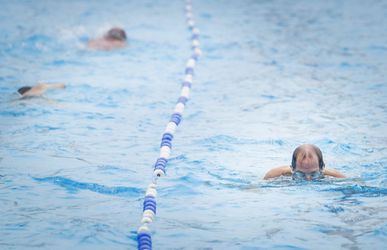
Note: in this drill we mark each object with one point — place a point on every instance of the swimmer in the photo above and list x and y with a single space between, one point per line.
39 89
307 164
115 38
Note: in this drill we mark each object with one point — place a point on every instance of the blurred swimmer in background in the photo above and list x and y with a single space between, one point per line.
39 89
307 164
115 38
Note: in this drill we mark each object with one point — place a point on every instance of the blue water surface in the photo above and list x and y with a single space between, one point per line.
75 163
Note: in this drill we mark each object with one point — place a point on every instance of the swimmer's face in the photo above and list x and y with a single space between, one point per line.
307 161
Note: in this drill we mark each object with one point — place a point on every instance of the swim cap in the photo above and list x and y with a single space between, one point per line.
24 89
116 34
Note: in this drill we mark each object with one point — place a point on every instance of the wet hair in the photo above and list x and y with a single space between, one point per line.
117 34
24 89
318 152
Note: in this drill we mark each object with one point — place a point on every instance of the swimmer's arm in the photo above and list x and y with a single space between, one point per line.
55 85
278 171
94 44
40 88
333 172
103 44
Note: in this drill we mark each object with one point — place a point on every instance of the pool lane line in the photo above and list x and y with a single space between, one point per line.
144 237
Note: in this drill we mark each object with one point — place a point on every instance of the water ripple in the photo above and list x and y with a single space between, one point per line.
223 142
364 191
74 186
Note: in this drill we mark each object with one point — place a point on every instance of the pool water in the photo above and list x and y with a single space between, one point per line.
74 164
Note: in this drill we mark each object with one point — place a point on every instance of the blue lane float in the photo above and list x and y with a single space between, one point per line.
144 237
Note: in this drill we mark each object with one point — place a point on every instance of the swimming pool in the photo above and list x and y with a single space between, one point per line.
75 164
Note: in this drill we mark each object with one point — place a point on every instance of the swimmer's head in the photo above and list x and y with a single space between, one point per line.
23 90
307 158
116 34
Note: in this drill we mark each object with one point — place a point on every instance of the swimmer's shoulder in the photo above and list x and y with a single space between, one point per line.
333 173
278 171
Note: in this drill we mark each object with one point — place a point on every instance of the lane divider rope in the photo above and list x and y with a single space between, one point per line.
144 238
